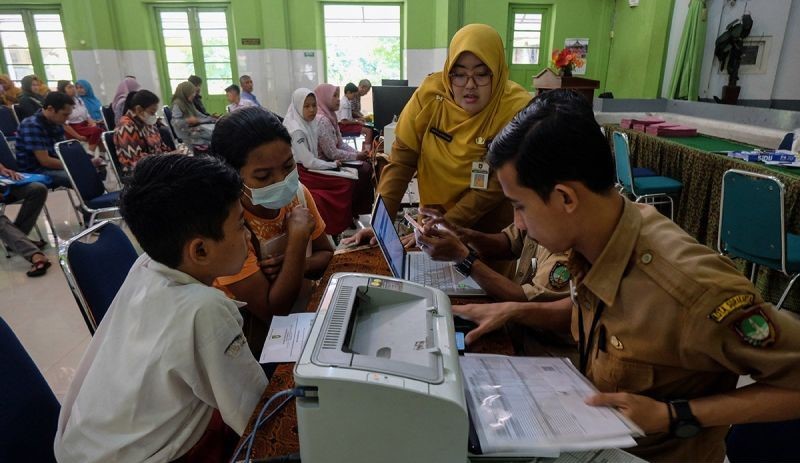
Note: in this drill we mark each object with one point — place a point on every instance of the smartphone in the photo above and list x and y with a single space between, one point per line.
413 222
460 344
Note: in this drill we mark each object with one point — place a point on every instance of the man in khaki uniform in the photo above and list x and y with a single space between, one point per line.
664 325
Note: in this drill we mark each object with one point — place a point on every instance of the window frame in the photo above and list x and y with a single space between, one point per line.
545 42
402 37
31 33
192 10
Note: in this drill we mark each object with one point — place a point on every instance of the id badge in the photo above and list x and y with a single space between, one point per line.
479 180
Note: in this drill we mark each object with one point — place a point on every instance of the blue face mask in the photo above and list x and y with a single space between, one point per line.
277 195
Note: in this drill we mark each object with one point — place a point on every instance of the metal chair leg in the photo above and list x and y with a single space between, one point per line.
786 291
754 273
52 225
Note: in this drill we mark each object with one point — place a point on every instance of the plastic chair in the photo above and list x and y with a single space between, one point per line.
93 199
8 122
786 143
111 151
95 271
752 225
28 409
652 190
755 442
108 117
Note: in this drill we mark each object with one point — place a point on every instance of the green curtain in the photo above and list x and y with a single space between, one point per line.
686 75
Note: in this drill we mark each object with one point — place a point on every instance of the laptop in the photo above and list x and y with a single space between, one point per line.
417 266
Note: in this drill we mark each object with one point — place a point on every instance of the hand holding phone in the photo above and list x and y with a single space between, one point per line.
411 221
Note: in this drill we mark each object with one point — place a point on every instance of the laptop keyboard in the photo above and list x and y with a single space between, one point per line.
430 272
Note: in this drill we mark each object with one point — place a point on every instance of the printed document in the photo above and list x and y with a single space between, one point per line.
286 337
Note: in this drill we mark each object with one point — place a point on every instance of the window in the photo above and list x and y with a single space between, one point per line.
196 41
528 46
362 42
32 42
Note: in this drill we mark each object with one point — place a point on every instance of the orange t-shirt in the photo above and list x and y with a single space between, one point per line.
266 229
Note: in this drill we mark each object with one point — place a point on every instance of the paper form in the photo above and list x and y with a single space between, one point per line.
535 405
286 338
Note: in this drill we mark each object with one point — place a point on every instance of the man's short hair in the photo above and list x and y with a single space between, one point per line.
244 78
172 199
233 88
195 80
553 140
57 101
238 133
350 88
365 83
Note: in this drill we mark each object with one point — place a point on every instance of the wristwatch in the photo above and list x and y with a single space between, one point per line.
684 424
465 266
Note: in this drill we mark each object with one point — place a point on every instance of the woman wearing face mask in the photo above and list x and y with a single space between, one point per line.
288 235
447 126
332 192
136 134
31 100
80 125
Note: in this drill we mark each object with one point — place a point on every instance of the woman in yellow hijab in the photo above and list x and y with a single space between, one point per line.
447 126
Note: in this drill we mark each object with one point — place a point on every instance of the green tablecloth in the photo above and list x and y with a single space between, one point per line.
690 160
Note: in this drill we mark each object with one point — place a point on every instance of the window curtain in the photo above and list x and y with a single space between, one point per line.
686 75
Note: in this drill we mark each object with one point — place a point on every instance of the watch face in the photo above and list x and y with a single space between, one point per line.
686 429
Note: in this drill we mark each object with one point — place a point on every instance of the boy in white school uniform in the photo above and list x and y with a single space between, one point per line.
169 352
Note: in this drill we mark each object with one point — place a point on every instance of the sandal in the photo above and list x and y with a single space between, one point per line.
39 268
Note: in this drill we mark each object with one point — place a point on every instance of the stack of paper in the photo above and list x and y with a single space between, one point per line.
640 124
667 129
534 406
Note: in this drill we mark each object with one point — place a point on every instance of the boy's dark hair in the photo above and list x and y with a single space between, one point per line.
555 139
57 101
350 88
195 80
238 133
172 199
143 98
233 88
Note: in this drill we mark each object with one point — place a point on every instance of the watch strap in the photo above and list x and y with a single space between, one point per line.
465 266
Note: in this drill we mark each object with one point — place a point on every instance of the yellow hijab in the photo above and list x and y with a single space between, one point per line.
444 168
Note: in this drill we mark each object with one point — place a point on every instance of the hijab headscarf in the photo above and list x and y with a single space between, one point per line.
183 92
294 120
27 88
92 103
128 84
444 167
324 93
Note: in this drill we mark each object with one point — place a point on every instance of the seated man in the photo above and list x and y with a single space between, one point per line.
665 326
247 89
235 99
169 361
38 135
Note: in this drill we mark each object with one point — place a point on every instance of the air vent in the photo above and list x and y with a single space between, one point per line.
337 322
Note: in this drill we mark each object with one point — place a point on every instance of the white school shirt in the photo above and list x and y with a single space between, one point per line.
345 110
301 149
243 103
79 112
168 352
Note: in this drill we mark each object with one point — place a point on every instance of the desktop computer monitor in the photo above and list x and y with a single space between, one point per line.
394 83
388 102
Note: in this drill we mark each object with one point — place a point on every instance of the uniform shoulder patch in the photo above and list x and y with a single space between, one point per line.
559 276
730 305
235 347
755 328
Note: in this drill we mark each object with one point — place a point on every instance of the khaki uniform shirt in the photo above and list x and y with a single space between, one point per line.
543 275
679 322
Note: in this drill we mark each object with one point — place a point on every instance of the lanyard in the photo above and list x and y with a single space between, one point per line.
584 345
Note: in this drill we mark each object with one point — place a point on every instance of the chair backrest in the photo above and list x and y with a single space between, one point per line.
8 121
168 115
7 157
18 112
622 161
28 408
95 271
108 117
751 218
111 151
80 170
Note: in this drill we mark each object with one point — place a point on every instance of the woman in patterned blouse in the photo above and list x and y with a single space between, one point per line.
136 134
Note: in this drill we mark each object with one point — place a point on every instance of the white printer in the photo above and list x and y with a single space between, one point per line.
382 356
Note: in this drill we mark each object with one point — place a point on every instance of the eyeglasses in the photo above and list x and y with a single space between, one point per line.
481 79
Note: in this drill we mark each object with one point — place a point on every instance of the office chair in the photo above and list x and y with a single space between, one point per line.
652 190
93 199
95 271
28 409
752 225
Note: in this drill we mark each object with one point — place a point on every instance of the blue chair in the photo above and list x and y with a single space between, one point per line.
93 199
18 112
756 442
111 151
8 122
786 143
168 116
108 116
28 409
751 225
653 190
637 171
95 271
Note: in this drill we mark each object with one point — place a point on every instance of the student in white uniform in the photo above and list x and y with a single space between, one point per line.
169 352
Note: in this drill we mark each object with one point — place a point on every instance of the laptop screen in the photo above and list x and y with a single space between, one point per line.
388 239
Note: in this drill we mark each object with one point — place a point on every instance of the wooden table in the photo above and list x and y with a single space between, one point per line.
279 436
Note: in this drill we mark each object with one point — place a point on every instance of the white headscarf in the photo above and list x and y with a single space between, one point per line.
294 120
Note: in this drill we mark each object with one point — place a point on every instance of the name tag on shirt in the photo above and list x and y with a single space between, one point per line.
479 180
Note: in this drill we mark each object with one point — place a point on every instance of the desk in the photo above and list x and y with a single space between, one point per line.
691 161
279 436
